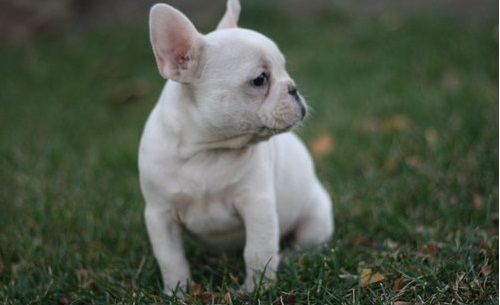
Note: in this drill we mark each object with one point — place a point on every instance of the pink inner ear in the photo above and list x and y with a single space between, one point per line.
174 57
178 50
176 44
182 61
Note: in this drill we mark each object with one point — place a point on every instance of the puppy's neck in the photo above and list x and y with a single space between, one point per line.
236 145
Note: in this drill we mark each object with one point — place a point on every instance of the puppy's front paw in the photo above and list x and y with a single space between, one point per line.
248 286
257 281
177 289
174 292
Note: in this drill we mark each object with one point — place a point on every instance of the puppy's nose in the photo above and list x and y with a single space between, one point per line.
292 90
303 110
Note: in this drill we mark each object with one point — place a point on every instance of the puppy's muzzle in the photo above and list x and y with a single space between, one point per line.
292 90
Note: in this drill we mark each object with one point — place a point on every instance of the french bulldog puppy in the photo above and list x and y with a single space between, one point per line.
217 161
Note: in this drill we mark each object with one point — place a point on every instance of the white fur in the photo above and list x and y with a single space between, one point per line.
216 159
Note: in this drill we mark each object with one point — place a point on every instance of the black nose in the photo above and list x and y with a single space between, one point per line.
303 110
292 90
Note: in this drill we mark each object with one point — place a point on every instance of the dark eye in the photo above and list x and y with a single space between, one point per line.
261 80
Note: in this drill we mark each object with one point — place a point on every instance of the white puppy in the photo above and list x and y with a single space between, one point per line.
216 159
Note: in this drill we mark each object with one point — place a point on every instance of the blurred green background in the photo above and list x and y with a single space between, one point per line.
404 130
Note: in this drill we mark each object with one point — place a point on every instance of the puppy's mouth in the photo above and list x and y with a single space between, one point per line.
265 132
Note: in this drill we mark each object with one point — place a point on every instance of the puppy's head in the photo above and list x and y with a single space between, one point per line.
235 78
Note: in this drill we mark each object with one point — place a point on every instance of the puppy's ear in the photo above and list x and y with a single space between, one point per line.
177 45
230 19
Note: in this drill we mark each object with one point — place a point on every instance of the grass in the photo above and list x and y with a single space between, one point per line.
407 107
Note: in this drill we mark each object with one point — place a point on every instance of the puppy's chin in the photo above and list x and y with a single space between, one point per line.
265 133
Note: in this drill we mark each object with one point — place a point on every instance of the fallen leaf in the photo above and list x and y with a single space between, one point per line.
433 249
413 161
84 277
360 240
287 299
399 284
322 145
397 123
226 298
486 270
477 201
484 243
367 277
195 289
205 297
402 303
390 164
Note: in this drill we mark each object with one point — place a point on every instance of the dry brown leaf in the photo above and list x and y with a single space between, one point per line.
195 289
433 248
399 284
486 270
360 240
484 243
390 164
413 161
322 145
84 277
287 299
402 303
226 298
367 277
477 201
205 297
397 122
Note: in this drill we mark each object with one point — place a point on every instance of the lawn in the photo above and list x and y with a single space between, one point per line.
404 131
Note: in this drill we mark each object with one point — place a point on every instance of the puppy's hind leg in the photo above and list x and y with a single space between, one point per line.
316 227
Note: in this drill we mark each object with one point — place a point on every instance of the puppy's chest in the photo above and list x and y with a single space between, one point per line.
195 204
204 190
209 215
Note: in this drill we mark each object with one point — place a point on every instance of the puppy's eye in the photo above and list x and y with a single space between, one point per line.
261 80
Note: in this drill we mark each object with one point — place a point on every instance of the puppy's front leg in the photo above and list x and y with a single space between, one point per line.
262 239
166 238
